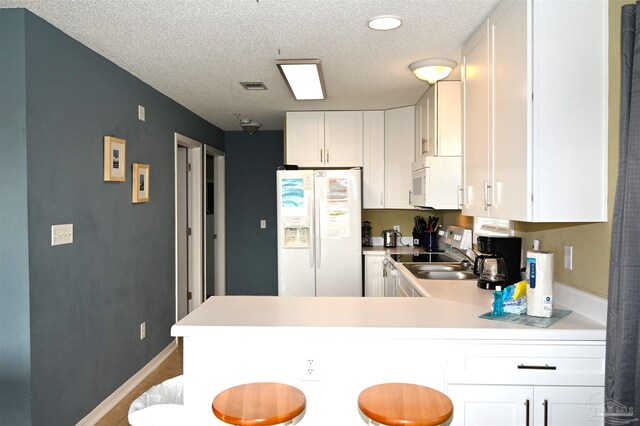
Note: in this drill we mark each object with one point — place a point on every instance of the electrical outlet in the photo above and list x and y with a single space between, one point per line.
61 234
396 228
310 370
143 330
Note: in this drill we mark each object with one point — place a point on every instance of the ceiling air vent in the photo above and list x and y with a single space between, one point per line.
253 85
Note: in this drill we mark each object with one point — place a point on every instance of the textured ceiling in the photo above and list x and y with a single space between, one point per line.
197 51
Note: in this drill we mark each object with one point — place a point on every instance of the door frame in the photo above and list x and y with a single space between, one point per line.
220 279
196 208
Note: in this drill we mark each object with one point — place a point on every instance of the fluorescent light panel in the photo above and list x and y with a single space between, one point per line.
304 78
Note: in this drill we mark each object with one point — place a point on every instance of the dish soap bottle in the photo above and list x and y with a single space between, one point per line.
498 305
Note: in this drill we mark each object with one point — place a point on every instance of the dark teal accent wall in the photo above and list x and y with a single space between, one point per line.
87 299
15 346
252 258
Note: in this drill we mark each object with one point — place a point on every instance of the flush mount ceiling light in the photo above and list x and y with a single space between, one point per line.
432 70
250 126
385 23
303 77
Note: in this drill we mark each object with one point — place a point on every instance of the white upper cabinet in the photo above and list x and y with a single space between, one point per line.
324 139
438 121
476 172
304 135
535 113
399 143
373 161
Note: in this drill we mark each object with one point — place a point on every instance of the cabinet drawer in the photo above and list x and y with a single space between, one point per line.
533 364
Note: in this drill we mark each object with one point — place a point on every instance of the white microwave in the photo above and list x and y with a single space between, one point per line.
437 183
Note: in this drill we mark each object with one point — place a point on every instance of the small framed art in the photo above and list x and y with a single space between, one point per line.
140 185
114 159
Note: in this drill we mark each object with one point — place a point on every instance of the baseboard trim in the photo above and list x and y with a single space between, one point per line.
114 399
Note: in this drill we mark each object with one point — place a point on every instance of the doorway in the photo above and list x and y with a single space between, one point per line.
214 231
188 155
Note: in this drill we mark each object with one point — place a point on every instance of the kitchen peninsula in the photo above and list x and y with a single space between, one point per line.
332 348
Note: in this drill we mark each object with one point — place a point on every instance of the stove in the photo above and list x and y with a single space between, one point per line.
451 239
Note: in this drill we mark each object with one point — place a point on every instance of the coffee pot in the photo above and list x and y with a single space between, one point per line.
492 270
389 237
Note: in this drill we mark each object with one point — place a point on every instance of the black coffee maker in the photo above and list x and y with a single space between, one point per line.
496 249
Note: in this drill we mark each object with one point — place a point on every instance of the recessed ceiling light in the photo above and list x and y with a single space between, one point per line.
385 22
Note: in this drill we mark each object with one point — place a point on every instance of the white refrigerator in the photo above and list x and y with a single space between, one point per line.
319 241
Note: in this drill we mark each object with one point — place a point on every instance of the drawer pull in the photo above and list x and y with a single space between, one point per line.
546 412
536 367
526 404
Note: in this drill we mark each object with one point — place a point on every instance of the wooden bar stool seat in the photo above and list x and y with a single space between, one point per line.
403 404
263 404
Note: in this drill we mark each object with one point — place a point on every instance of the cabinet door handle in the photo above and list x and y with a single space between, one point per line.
459 197
526 404
327 155
381 198
486 195
321 157
546 412
536 367
409 197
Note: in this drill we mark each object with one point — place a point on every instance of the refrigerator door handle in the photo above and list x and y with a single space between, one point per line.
317 233
312 235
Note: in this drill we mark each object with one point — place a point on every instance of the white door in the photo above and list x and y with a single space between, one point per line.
210 227
214 224
373 276
568 405
343 138
481 405
338 238
305 139
510 192
296 244
189 226
399 140
373 161
475 116
183 225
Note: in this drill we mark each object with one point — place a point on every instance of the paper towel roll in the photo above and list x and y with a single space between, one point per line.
539 283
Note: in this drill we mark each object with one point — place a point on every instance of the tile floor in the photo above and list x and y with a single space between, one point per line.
171 367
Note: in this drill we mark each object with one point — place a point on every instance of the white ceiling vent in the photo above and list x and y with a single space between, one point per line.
253 85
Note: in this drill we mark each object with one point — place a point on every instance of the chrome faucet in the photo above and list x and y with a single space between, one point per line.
468 259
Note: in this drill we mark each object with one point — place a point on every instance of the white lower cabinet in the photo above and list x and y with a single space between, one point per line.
497 405
374 275
526 383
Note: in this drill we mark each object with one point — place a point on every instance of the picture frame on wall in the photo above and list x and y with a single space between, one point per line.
140 183
115 151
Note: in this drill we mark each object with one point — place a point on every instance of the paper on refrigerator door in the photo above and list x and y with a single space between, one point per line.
336 218
292 190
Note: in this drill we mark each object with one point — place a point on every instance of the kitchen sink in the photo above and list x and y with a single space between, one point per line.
440 271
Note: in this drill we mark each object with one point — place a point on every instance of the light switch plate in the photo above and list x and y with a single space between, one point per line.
263 224
61 234
141 113
568 257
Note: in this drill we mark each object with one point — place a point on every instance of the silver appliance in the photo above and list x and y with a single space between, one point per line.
389 237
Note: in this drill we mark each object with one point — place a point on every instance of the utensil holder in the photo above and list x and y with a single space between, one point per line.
430 240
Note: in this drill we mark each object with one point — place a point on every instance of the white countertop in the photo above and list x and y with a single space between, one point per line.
381 250
417 317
